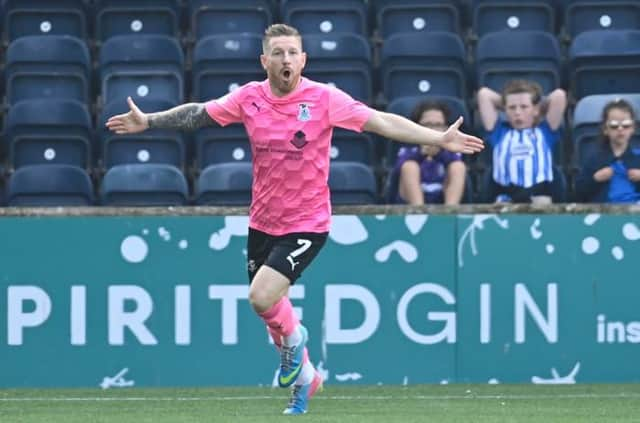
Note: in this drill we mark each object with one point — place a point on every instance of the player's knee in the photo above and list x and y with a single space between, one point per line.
260 300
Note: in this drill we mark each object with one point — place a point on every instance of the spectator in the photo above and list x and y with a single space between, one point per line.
522 143
428 174
611 174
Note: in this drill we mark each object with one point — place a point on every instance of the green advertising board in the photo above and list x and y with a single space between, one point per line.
162 301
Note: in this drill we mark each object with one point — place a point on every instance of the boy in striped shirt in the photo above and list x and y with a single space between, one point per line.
522 143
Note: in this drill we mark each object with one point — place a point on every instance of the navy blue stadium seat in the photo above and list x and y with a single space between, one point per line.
397 16
214 145
404 106
343 60
605 61
224 62
142 66
326 16
587 15
210 17
49 185
152 146
423 64
48 131
225 184
587 120
498 15
352 183
532 55
47 66
44 17
136 17
149 184
349 146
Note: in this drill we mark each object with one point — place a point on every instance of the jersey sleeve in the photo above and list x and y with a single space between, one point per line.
406 153
551 136
449 157
494 136
226 109
345 112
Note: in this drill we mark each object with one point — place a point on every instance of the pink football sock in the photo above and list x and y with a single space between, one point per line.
280 317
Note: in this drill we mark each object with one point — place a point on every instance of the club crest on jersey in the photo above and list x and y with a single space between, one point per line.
304 114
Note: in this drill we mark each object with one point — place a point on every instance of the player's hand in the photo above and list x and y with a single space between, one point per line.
603 174
459 142
129 123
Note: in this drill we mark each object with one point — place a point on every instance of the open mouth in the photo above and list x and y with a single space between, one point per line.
286 73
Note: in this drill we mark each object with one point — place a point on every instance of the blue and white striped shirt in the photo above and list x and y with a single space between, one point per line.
522 157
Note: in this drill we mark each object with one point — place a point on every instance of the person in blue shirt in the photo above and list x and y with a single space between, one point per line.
611 174
523 142
429 174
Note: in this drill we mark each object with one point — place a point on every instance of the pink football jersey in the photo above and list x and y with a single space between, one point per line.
290 141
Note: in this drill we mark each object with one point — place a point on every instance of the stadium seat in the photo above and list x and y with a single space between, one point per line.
141 66
559 186
149 184
587 15
498 15
420 64
587 118
214 145
44 17
48 131
225 184
352 183
47 66
503 56
349 146
398 16
326 16
136 17
49 185
404 106
219 17
605 61
343 60
152 146
221 63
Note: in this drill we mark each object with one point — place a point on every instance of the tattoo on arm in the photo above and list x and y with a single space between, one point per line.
188 117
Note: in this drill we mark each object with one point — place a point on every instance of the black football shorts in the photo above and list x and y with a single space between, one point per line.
289 254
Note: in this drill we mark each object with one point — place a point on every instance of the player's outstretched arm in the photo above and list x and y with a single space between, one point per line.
398 128
187 117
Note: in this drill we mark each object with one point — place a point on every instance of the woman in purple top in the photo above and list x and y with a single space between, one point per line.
429 174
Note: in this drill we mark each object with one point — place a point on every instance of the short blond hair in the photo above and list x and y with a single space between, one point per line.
278 30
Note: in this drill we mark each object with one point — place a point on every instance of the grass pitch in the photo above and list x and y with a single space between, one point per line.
352 404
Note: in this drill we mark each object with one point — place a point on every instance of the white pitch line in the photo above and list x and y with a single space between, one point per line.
630 395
